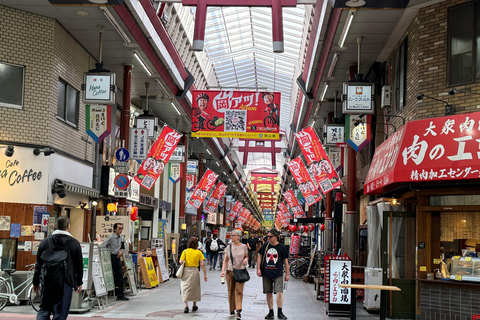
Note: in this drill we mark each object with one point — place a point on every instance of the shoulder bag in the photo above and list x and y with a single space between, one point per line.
239 275
263 257
180 269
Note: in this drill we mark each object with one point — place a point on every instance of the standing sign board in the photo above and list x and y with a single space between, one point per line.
98 121
106 263
130 267
159 245
148 272
87 270
138 144
97 274
338 270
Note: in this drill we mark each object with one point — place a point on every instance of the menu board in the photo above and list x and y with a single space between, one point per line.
105 226
97 274
106 262
130 267
159 246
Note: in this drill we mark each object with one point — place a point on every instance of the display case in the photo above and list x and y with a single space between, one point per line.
465 268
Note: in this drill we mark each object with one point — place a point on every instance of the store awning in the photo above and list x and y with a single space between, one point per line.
72 187
435 149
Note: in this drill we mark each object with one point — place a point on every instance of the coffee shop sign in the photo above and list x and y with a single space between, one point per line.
14 176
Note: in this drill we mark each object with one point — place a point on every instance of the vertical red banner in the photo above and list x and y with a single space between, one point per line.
293 204
203 188
217 195
304 181
235 210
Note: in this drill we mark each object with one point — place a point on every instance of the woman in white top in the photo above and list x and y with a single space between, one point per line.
240 260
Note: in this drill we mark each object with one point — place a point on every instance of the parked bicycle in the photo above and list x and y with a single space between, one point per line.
299 267
10 293
172 268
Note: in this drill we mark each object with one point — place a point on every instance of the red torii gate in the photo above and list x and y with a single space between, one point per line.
260 148
258 176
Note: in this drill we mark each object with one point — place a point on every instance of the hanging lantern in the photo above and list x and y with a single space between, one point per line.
302 228
134 215
294 228
322 227
311 227
135 210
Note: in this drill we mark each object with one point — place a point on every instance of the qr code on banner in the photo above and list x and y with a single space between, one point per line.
326 185
236 120
148 182
310 200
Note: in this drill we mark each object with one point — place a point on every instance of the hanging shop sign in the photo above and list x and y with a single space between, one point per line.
178 155
138 144
359 98
99 88
191 182
149 123
203 188
174 172
434 149
293 204
335 155
158 156
217 195
304 181
317 160
212 218
335 134
359 135
148 201
236 114
192 167
133 191
98 121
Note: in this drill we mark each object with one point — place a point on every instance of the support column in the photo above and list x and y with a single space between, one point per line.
183 187
125 123
200 210
328 221
348 246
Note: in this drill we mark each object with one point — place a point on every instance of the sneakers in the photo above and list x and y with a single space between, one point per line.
185 310
270 315
239 315
281 316
122 298
232 313
210 268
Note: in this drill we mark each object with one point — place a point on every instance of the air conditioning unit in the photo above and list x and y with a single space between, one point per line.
372 296
386 96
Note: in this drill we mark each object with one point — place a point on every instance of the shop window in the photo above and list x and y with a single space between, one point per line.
8 254
12 78
400 65
67 105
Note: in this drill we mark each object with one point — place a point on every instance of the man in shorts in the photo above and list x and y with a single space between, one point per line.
271 258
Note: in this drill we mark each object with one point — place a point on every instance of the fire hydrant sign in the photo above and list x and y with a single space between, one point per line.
98 121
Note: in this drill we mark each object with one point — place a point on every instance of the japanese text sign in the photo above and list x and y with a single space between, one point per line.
340 273
335 134
158 156
358 136
138 144
191 182
359 98
98 121
317 160
304 181
203 188
236 114
444 148
293 204
217 195
235 210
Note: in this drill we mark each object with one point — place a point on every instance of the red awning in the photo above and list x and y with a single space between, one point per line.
444 148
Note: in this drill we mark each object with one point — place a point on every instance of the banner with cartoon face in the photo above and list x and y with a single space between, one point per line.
203 188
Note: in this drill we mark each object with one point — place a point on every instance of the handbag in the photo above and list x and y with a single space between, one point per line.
179 273
239 275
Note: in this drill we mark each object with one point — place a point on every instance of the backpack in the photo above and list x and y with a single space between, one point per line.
214 245
54 268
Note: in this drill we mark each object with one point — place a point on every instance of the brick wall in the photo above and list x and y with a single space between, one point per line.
48 53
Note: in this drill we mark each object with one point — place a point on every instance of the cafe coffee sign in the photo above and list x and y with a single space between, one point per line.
99 88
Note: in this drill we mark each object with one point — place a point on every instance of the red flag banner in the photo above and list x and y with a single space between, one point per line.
217 195
191 182
293 204
283 208
304 181
236 114
317 160
235 210
158 157
203 188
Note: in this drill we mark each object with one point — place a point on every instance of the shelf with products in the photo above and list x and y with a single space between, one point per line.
465 269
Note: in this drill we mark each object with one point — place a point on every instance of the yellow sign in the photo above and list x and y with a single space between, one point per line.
267 224
458 278
152 275
234 134
184 226
456 258
436 261
423 268
468 258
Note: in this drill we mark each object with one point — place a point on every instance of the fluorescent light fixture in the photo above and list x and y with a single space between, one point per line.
224 173
115 24
332 66
229 163
209 152
135 53
313 123
346 27
99 1
218 164
324 91
162 88
174 107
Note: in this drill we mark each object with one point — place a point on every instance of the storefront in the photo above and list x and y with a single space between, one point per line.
428 174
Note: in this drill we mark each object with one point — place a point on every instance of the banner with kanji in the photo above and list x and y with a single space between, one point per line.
98 121
191 182
357 131
304 181
293 204
235 210
158 156
203 188
217 195
317 160
174 172
284 210
236 114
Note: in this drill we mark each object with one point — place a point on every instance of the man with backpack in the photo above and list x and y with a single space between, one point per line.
214 248
59 267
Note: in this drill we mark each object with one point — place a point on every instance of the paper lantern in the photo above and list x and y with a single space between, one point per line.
322 227
294 245
134 216
294 228
311 227
302 228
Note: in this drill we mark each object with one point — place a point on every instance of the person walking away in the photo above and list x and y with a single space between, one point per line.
56 297
206 244
214 248
272 256
252 249
114 243
240 260
190 284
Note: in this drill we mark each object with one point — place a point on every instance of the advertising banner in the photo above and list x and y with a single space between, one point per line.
203 188
283 208
236 114
293 204
217 195
191 182
98 121
317 160
235 210
158 156
304 181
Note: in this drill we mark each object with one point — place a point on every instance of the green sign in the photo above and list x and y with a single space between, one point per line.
130 266
267 224
106 263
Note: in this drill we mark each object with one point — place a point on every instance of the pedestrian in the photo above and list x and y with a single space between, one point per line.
240 260
56 299
252 249
214 248
190 284
206 244
272 256
115 243
244 238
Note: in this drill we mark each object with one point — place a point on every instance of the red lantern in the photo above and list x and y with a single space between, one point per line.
294 228
302 229
322 227
311 227
134 216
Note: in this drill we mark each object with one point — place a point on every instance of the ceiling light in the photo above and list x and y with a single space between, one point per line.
209 152
355 3
324 91
173 105
82 13
99 1
144 65
346 27
332 65
218 164
115 25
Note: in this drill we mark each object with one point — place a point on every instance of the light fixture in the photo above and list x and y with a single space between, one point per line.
46 151
394 201
116 26
324 91
9 150
333 64
346 27
99 1
140 60
59 188
94 203
82 13
218 164
82 205
355 3
173 105
209 152
448 107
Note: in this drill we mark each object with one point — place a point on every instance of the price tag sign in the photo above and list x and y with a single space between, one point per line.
468 258
423 268
458 278
436 261
456 258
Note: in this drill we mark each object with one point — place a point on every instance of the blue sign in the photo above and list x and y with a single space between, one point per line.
122 181
122 154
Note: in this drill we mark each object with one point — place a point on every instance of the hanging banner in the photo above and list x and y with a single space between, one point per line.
293 204
317 160
191 182
236 114
235 210
217 195
98 121
138 144
283 208
158 156
174 172
358 136
335 155
304 181
203 188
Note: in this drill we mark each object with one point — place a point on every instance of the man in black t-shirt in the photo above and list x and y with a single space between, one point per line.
252 249
271 258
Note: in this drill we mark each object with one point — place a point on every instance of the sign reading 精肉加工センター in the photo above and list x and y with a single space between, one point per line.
236 114
98 121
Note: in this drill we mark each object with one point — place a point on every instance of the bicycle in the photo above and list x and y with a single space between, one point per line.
211 124
270 121
10 293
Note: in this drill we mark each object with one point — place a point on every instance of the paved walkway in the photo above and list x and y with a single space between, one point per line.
164 302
